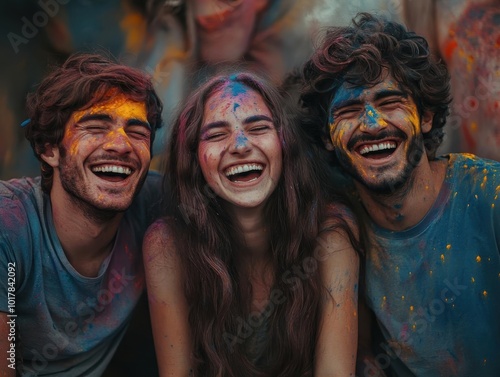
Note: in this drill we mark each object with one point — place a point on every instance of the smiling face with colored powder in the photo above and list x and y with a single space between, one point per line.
104 156
376 133
239 149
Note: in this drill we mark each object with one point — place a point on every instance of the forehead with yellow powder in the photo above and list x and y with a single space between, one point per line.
118 106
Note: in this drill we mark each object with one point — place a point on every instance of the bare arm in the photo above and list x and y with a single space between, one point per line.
338 332
167 303
5 370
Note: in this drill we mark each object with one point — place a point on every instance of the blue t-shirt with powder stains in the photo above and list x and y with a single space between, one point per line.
67 324
435 288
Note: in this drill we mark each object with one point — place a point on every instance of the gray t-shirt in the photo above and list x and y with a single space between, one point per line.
67 324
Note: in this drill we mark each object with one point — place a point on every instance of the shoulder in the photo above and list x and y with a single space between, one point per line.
470 163
159 234
162 262
478 173
20 223
160 242
19 187
339 217
339 233
19 200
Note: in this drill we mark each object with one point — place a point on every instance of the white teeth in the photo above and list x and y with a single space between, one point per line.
242 169
112 169
378 147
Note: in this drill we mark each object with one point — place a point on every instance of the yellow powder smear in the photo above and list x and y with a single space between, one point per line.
118 106
448 247
470 156
478 259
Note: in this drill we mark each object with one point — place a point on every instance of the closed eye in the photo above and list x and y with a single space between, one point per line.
390 101
95 128
261 128
215 136
346 111
139 132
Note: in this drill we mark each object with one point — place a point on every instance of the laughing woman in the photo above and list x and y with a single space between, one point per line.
254 274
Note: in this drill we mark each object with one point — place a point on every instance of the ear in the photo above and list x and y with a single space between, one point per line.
328 143
426 123
50 155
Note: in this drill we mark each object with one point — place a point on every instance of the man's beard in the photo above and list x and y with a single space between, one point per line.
390 186
73 182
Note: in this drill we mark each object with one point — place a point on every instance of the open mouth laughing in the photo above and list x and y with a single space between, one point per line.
112 173
377 150
244 173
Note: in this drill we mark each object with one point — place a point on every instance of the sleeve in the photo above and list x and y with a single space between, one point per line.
15 243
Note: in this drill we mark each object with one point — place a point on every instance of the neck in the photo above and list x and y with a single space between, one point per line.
86 235
254 260
255 232
407 206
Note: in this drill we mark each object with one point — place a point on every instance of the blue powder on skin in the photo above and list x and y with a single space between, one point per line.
236 89
241 140
372 115
343 95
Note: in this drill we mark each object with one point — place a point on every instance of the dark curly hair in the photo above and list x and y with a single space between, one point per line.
358 55
82 81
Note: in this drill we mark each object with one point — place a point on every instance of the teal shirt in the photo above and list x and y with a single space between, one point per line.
68 324
435 288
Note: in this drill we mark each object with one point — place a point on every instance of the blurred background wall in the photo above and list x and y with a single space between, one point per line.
181 42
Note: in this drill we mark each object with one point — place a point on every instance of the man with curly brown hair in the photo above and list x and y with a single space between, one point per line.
378 100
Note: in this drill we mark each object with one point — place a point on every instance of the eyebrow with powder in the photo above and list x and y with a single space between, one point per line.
92 117
138 122
379 95
257 118
389 93
346 103
108 118
217 124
